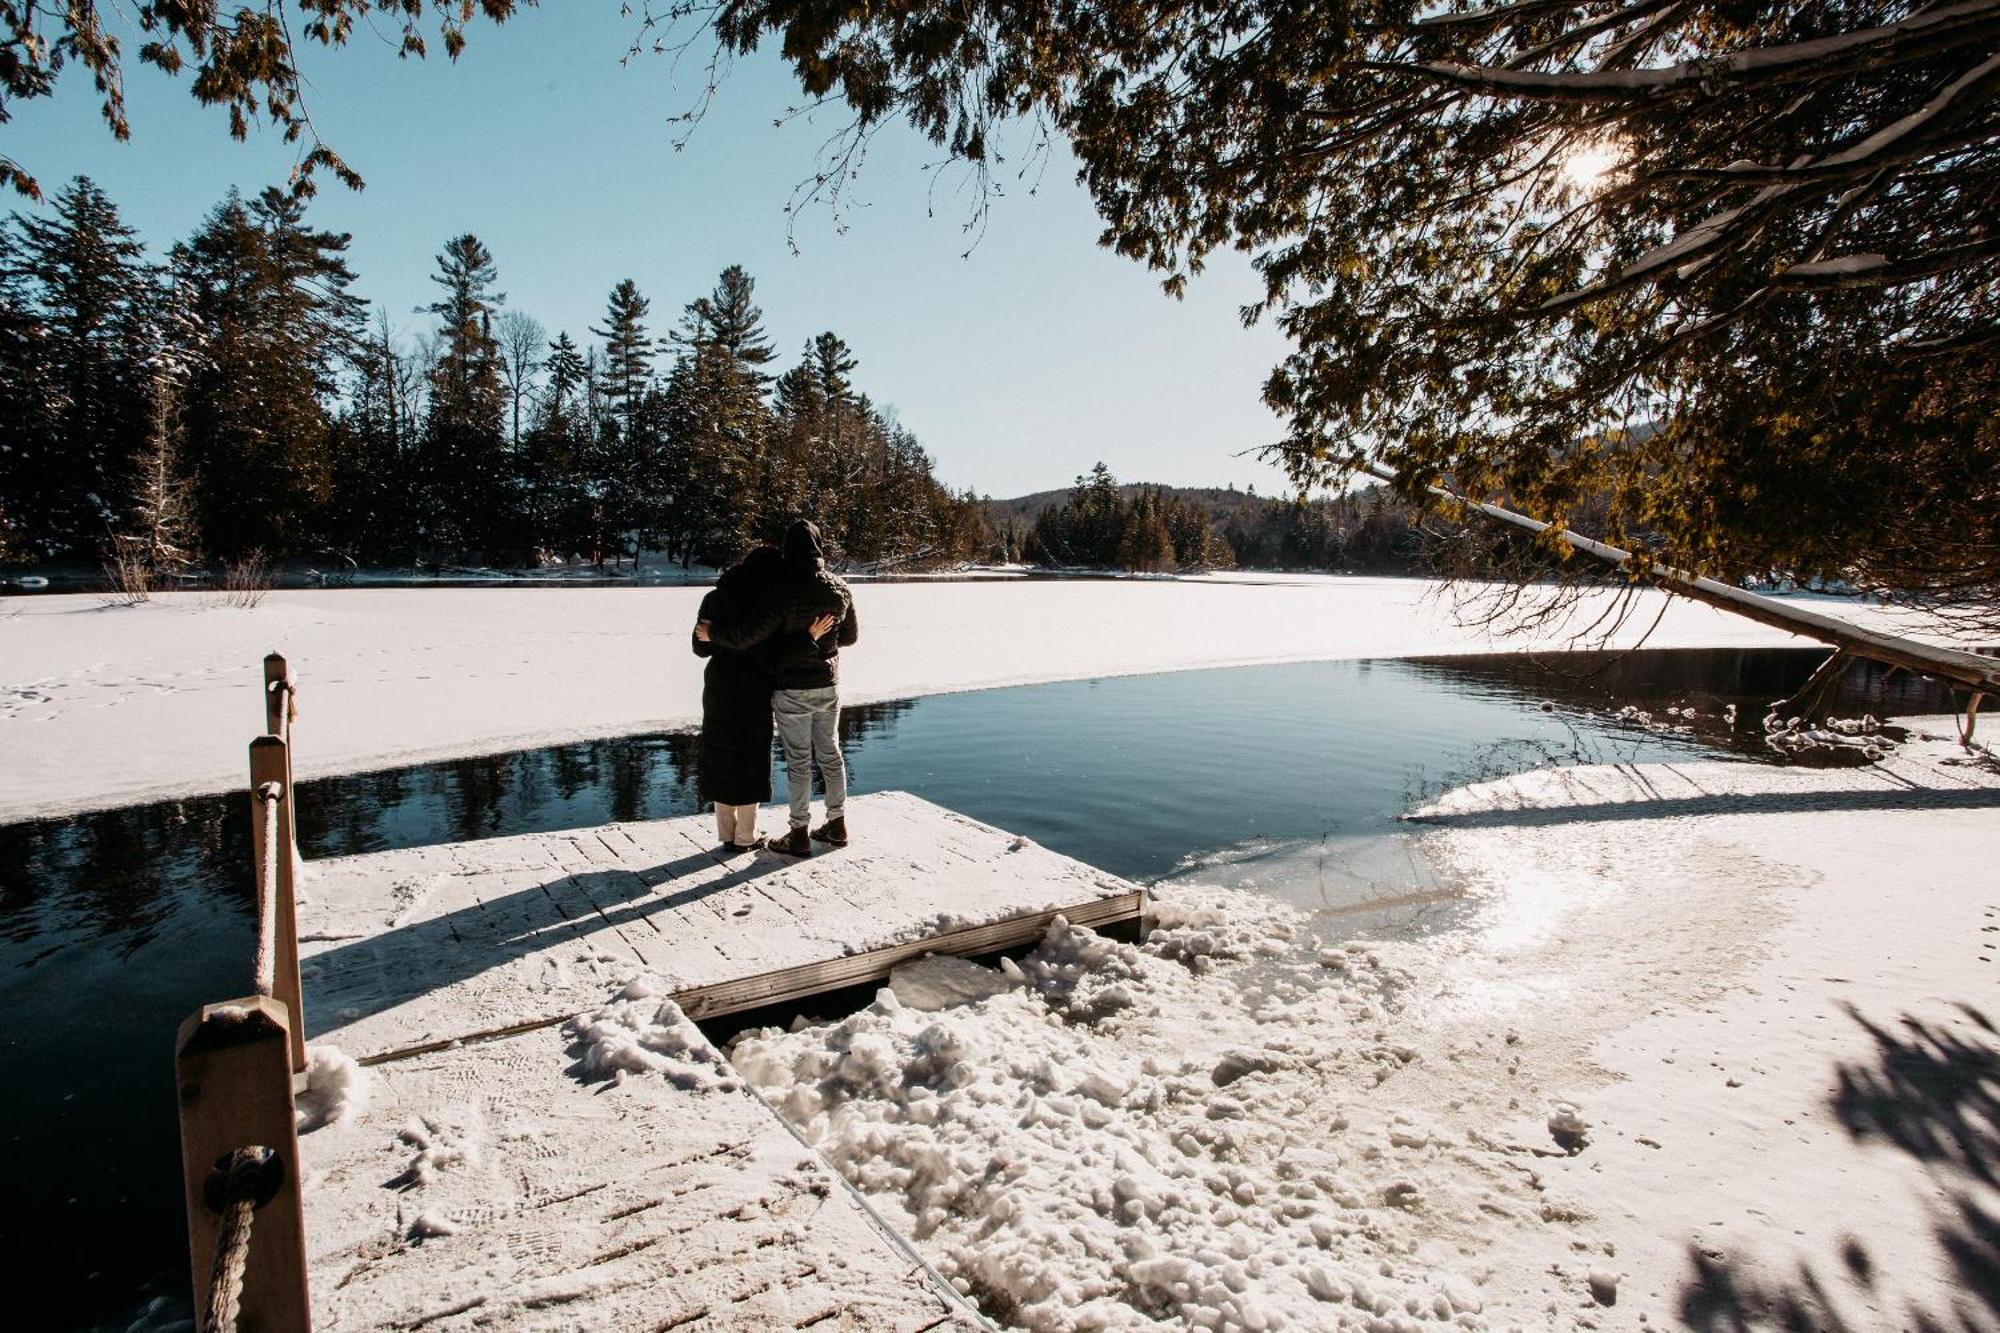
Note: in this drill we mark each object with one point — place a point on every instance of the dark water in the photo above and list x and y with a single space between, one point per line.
116 925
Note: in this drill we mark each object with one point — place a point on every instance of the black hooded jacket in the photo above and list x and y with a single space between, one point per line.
803 593
735 751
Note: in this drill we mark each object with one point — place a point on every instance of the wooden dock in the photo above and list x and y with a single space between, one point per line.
498 1177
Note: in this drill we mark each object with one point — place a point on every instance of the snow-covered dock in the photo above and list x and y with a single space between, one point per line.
536 1135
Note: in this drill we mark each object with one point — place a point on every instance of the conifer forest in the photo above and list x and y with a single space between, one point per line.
236 401
237 397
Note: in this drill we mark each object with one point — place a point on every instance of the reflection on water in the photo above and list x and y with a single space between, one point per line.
1286 779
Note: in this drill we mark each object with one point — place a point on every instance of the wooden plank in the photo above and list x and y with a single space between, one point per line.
796 983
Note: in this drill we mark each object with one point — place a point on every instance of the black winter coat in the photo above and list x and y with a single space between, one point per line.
735 757
804 592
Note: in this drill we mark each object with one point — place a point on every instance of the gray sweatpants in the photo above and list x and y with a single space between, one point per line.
809 730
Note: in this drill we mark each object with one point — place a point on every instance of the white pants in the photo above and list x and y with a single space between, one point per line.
736 823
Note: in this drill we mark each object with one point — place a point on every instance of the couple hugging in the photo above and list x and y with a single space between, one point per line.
772 630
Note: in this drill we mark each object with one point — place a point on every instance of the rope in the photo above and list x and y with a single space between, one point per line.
267 893
232 1243
291 692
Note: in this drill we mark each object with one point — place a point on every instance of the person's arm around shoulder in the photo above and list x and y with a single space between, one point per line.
789 649
749 631
850 625
704 647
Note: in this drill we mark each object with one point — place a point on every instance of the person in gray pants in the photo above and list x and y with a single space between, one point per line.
806 699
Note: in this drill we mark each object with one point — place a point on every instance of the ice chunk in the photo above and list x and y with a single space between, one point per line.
1236 1063
939 981
1568 1127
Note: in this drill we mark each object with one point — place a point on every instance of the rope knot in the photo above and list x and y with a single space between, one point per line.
247 1174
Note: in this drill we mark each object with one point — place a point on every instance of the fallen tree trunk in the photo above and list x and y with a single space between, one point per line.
1977 673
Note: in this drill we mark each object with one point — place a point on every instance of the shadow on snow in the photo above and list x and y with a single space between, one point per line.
1934 1093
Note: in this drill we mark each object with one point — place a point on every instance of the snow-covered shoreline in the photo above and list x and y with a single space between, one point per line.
1723 1069
103 706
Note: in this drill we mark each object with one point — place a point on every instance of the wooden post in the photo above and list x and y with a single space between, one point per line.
235 1083
270 762
277 697
279 700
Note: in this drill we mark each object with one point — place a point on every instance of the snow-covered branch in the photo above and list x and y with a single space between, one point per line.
1921 35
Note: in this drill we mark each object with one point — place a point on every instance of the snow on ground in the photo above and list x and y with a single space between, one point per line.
104 705
512 1185
1716 1048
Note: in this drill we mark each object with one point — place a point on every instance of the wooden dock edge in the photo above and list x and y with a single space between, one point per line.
809 979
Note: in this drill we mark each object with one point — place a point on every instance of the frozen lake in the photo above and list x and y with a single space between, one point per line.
1283 778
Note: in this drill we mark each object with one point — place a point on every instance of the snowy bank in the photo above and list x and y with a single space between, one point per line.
1719 1065
103 706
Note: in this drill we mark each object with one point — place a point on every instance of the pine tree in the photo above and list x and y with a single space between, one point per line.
269 296
30 404
718 422
374 456
730 318
832 362
712 448
284 426
466 381
1144 545
465 474
838 468
631 445
566 370
555 453
628 350
789 486
85 290
311 284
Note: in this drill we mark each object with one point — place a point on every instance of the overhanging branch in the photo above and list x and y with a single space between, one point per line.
1978 673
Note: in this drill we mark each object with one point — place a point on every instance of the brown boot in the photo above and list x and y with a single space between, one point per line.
795 843
833 832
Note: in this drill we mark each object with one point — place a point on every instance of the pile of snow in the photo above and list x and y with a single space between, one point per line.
641 1033
1792 735
1136 1134
336 1089
446 1140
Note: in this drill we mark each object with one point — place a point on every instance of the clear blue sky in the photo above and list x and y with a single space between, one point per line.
1018 366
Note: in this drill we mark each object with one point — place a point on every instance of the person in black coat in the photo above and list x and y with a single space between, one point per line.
735 756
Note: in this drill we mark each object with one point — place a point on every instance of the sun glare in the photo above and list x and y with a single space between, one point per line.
1587 166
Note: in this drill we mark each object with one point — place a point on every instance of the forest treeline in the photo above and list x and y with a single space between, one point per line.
236 397
1101 524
